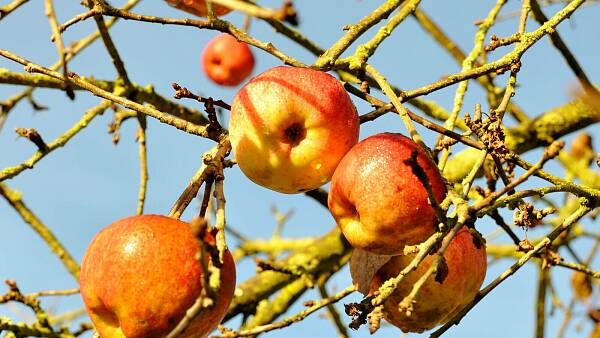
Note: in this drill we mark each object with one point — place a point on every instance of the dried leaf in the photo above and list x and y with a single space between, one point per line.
582 147
594 315
591 97
363 266
442 271
596 332
477 238
582 285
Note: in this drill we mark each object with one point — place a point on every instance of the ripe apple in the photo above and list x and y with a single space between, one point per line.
198 7
227 61
377 201
140 275
289 128
435 303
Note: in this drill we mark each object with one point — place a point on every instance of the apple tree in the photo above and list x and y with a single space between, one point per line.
496 175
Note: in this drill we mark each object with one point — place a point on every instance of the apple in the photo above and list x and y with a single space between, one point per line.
435 303
377 201
227 61
140 275
289 127
198 7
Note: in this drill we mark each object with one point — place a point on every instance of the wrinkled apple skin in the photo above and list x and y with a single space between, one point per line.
197 7
376 200
227 61
140 275
435 303
289 128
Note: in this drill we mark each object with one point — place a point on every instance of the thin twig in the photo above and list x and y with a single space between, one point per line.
328 58
507 60
334 315
550 153
565 226
195 183
67 292
383 108
402 111
278 305
15 200
215 24
428 107
407 302
111 48
569 309
80 82
253 10
495 215
60 141
365 51
33 136
272 246
72 51
57 38
11 7
467 65
558 42
220 217
181 92
419 172
143 155
32 330
316 305
562 184
486 81
206 199
389 286
540 304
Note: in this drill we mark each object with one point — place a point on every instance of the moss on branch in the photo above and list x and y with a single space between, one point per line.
528 135
325 253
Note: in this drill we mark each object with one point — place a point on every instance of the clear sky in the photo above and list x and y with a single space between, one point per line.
90 183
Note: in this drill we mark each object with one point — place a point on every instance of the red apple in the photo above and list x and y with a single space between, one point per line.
435 303
140 275
377 201
227 61
198 7
289 128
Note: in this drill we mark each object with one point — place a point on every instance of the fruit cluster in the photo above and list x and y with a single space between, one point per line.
291 130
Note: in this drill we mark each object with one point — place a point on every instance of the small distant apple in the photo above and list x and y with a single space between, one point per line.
290 127
198 7
227 61
377 201
140 275
436 302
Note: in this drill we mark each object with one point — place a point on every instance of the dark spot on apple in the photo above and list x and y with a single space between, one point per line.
215 61
354 212
294 134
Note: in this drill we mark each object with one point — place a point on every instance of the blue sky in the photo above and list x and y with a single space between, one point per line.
90 183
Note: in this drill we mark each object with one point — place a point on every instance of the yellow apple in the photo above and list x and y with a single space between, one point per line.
289 128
